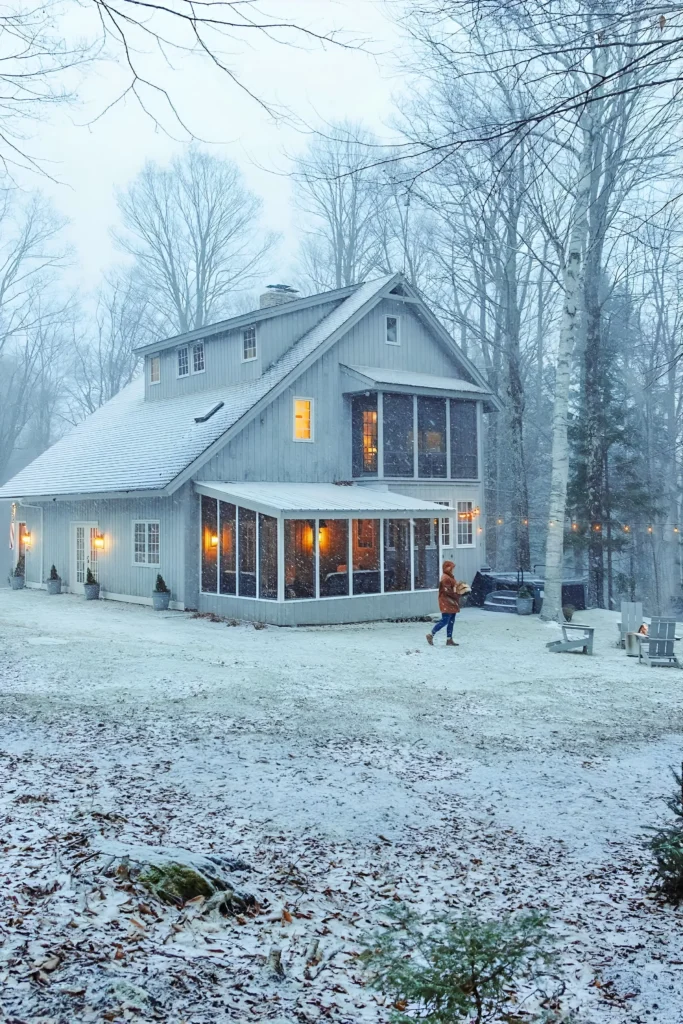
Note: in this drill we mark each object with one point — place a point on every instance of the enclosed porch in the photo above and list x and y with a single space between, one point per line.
295 554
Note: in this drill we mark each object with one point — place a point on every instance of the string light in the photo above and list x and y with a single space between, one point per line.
649 529
627 529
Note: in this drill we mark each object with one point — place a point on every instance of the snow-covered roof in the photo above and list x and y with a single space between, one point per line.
135 445
308 500
383 377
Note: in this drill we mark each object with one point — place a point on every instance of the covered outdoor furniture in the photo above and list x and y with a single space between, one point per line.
657 646
631 619
575 637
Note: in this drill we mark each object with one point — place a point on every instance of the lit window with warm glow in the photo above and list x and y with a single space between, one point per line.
370 440
155 370
303 419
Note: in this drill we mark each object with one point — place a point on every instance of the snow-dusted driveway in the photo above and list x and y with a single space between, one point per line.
348 765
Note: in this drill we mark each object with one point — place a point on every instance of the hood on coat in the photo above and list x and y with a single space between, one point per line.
448 567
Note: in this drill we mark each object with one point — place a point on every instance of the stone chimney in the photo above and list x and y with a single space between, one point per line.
277 294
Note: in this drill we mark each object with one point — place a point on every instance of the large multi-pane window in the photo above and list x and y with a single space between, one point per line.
398 435
209 544
426 554
227 575
364 434
333 557
366 556
464 462
145 542
246 536
464 525
267 547
396 554
300 550
431 437
409 422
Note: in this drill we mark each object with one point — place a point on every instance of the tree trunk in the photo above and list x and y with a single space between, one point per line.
571 279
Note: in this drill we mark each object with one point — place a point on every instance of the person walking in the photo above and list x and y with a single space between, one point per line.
449 605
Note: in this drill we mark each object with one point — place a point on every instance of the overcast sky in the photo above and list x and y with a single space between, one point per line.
318 85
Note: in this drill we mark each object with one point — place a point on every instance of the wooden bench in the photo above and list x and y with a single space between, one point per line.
575 637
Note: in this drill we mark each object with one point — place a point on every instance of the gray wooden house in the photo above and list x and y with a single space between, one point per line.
309 462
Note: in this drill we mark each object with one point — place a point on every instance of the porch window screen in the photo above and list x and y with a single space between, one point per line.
267 545
364 434
333 545
209 545
366 556
299 558
398 435
227 576
426 554
464 462
246 519
396 554
431 437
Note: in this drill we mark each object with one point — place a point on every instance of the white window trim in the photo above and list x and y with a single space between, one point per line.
303 440
458 510
151 360
398 329
191 355
145 564
250 359
442 523
180 375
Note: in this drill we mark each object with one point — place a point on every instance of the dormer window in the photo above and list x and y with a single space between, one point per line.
392 336
198 357
249 343
154 370
183 361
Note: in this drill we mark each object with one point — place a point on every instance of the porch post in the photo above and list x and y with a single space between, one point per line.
280 558
380 434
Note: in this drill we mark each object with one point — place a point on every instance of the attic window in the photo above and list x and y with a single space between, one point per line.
183 361
198 357
249 343
209 414
392 336
154 370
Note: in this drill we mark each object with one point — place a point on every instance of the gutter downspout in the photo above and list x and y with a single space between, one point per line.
39 508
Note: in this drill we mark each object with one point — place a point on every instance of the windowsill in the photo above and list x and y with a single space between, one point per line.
196 373
249 359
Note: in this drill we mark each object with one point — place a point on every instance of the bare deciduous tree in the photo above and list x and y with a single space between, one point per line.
193 232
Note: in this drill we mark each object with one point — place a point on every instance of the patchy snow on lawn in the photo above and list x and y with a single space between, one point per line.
338 770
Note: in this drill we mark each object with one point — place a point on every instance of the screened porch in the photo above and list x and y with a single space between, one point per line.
307 542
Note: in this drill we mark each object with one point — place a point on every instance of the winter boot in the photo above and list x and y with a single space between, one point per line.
451 642
430 639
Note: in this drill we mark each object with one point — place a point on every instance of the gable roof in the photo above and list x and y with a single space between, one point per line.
135 446
362 377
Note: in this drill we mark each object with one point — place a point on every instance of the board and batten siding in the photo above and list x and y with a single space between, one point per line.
223 354
50 526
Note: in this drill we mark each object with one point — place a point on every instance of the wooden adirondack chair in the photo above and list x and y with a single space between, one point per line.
631 619
657 648
575 637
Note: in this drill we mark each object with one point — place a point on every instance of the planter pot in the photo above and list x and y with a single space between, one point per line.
160 599
17 582
525 605
54 586
92 591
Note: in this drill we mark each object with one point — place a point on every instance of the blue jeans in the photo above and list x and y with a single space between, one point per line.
446 620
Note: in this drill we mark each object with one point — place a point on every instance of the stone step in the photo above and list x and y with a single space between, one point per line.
501 601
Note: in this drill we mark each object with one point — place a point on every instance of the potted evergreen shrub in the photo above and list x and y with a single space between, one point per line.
161 595
91 587
18 577
54 582
525 601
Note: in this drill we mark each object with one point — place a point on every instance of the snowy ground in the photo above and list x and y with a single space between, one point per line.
351 767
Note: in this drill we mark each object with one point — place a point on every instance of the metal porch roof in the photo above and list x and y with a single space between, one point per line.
303 501
378 377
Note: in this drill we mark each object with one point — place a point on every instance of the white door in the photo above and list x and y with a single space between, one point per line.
83 554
